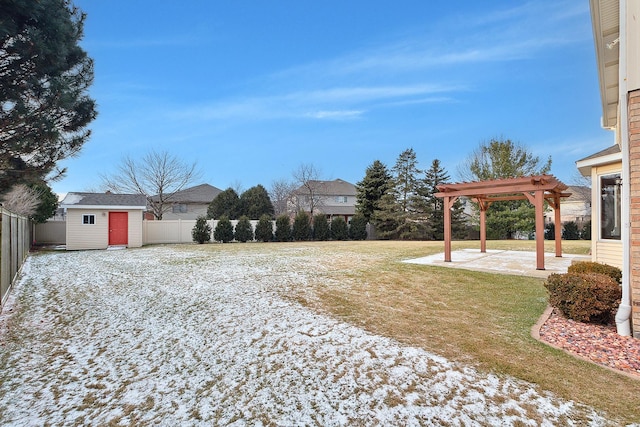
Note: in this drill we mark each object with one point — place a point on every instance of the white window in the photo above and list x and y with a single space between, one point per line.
89 219
180 208
341 199
610 193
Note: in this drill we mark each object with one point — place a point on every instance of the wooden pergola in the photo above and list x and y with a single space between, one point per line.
536 189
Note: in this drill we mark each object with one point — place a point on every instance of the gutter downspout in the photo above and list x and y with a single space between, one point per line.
623 316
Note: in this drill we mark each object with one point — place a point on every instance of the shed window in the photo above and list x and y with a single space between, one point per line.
610 192
89 219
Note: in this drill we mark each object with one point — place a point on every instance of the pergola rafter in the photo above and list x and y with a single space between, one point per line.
536 189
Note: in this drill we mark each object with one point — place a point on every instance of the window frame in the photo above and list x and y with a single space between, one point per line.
610 192
88 219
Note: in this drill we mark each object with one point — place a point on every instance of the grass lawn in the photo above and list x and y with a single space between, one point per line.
473 317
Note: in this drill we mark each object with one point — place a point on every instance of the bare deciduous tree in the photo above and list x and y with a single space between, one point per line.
158 175
309 188
21 200
281 195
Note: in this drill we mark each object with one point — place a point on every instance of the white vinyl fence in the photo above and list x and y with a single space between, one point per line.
176 230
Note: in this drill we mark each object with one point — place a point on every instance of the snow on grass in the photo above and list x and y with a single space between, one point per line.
178 336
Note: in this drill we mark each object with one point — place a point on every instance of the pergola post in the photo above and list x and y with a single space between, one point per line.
558 225
448 205
483 225
537 200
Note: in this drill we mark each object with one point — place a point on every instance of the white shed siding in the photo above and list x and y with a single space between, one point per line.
96 236
87 236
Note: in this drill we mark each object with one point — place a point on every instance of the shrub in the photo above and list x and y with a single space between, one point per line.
550 231
201 232
302 226
321 227
358 227
586 267
244 232
283 228
570 231
585 232
224 230
264 229
590 298
339 229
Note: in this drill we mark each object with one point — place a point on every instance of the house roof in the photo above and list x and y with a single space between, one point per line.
104 200
203 193
605 18
607 156
579 193
337 187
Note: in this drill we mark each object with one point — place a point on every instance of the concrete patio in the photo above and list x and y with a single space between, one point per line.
502 261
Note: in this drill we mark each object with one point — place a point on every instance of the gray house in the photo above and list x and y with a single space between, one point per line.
189 203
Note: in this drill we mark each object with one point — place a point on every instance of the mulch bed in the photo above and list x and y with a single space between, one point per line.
598 343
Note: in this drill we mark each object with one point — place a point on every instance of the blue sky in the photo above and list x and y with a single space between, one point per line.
251 90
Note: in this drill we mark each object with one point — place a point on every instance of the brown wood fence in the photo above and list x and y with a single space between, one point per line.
15 232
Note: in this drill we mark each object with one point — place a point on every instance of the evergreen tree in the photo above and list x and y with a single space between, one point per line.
224 230
48 202
501 159
376 182
405 178
283 229
201 232
433 207
550 231
226 203
570 231
321 227
302 226
585 232
358 227
255 202
388 217
244 231
44 89
339 228
264 229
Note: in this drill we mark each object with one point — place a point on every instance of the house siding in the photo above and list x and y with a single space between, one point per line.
96 236
603 251
634 159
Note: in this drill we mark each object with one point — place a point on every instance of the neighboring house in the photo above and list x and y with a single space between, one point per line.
615 183
576 208
332 198
100 220
190 203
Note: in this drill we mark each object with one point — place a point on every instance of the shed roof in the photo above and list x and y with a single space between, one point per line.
104 200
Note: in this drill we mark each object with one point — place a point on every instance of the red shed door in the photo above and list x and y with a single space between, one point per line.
118 228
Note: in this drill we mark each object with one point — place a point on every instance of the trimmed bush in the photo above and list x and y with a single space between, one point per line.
321 227
339 229
264 229
550 231
302 226
570 231
224 230
585 232
283 228
589 298
358 227
201 232
587 267
244 232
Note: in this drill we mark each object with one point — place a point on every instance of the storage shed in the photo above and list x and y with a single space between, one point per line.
101 220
